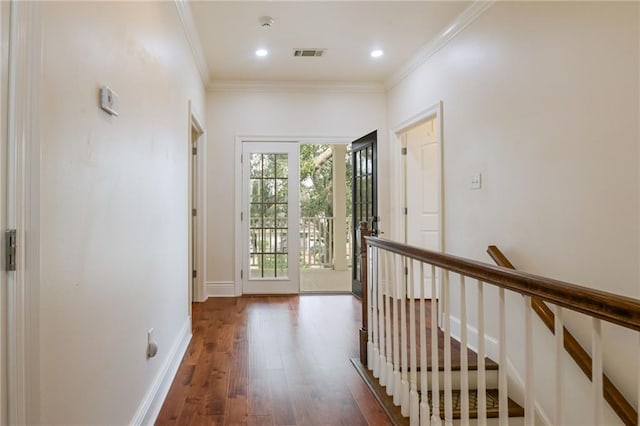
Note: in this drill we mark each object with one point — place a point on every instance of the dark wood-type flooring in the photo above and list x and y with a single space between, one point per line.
272 360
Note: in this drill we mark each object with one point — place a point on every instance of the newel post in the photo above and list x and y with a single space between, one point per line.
364 232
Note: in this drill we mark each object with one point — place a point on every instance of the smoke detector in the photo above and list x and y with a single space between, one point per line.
266 21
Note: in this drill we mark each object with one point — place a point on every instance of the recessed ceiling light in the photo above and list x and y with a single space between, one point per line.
376 53
262 52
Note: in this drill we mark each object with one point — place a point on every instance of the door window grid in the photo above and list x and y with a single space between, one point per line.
268 224
363 182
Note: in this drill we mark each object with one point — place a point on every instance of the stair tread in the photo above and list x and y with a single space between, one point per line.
472 357
393 411
455 366
492 404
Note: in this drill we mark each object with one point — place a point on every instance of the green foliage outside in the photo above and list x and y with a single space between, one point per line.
316 181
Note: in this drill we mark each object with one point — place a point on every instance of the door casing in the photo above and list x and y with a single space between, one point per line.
196 175
397 135
236 290
434 111
22 196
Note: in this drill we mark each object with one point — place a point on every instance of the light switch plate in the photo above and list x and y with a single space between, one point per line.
109 101
476 180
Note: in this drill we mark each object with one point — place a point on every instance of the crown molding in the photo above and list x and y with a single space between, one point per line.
465 18
295 86
189 26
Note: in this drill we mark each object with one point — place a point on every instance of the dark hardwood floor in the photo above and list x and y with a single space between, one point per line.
272 360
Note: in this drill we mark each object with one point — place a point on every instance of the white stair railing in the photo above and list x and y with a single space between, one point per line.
406 357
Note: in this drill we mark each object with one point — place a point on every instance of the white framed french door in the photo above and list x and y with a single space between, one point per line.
270 225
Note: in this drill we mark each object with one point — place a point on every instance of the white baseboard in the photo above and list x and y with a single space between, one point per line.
221 289
150 406
490 344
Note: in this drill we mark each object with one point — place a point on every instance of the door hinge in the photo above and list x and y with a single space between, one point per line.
241 157
194 151
194 274
241 216
194 212
406 211
406 270
404 150
241 273
10 249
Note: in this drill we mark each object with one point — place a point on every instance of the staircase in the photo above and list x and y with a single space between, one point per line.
421 375
491 400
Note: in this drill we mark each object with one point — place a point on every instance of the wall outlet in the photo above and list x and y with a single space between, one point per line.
152 345
476 180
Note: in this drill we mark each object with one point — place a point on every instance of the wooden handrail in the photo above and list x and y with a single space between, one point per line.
621 310
616 400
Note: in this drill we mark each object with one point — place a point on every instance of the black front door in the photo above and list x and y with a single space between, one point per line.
364 185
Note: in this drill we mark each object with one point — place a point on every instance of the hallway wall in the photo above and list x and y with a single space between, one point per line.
113 205
543 100
275 111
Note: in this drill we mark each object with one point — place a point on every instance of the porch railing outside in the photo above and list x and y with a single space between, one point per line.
317 241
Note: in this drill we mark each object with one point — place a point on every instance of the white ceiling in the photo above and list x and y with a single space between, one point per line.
230 33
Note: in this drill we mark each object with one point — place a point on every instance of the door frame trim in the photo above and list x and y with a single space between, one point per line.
199 295
239 139
397 132
23 212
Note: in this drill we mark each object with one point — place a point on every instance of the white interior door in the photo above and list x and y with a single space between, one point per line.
423 191
270 217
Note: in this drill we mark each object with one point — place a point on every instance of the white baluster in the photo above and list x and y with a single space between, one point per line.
425 412
596 368
559 350
414 409
404 362
396 390
502 372
382 303
529 395
376 316
373 308
464 361
389 370
435 365
448 396
482 376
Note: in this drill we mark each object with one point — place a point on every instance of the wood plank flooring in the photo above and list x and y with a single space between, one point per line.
272 360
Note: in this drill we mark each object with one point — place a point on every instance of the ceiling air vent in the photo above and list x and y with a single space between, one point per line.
309 52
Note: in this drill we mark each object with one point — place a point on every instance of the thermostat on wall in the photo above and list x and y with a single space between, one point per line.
109 100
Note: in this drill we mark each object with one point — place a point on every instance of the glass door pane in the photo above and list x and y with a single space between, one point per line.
270 172
364 184
268 222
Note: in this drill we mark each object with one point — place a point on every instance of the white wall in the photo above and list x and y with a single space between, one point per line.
275 111
114 211
543 100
